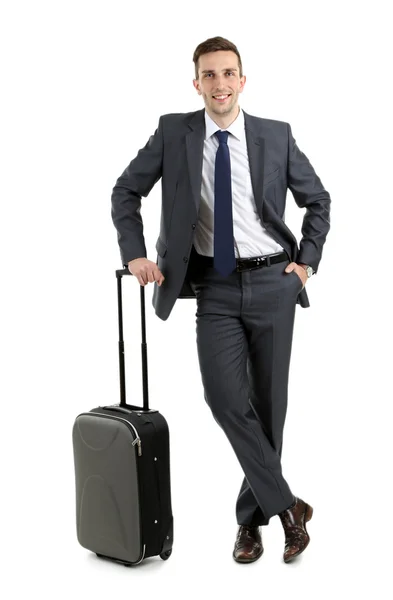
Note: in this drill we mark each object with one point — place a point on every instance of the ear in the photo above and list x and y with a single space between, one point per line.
242 82
196 85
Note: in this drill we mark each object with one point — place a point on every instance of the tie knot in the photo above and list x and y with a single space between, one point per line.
222 136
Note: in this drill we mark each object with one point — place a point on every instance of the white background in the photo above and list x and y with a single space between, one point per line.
84 84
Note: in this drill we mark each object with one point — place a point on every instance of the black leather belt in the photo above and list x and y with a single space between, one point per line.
248 264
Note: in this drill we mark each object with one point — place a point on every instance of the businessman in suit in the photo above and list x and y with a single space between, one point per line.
223 240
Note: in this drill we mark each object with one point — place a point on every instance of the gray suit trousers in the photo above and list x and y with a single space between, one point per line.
244 327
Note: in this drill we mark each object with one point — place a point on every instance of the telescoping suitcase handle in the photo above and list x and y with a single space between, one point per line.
119 275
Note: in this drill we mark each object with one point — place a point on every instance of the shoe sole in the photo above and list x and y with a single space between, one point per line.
307 517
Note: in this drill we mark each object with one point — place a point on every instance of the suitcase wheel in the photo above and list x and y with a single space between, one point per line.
166 555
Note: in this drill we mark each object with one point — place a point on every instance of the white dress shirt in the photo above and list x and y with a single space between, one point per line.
250 237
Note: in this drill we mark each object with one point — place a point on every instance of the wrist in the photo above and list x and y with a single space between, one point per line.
308 268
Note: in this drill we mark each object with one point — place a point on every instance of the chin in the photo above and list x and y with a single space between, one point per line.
222 109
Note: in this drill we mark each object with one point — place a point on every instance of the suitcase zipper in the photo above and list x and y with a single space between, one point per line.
137 438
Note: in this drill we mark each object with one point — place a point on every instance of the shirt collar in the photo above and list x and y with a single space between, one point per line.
236 128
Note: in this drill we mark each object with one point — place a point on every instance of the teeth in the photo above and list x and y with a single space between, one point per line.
221 97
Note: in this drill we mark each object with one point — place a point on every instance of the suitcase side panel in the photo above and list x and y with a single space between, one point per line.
162 472
155 482
107 487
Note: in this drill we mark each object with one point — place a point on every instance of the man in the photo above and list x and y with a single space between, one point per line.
223 240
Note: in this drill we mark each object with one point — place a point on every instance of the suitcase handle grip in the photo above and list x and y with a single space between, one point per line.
123 403
121 272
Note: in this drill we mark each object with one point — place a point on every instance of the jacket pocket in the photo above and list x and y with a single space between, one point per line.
161 247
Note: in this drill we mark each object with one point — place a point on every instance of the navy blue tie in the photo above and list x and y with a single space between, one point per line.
224 254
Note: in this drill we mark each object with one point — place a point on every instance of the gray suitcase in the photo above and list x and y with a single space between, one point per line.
122 472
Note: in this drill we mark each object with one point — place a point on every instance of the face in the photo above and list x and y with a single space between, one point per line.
219 76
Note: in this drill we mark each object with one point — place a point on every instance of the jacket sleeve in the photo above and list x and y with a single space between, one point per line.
136 181
309 193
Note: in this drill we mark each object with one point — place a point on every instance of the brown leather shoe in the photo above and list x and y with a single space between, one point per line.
294 521
248 545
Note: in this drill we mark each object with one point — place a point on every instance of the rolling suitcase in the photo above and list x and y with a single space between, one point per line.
122 471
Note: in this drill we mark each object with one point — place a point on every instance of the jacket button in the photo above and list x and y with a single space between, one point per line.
193 225
185 259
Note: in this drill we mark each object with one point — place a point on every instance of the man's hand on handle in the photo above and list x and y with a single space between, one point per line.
145 271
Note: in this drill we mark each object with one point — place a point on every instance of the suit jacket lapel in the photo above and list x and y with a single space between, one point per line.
256 159
194 144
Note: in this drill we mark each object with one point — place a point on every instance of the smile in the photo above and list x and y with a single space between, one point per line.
221 98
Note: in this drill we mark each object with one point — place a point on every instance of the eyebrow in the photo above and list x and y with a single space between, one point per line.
212 70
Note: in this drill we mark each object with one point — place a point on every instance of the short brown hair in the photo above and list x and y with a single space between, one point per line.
213 45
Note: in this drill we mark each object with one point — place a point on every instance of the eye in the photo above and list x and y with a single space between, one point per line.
230 72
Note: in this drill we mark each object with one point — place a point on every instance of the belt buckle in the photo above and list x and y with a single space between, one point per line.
260 262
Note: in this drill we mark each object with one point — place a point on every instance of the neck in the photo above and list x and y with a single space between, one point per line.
224 121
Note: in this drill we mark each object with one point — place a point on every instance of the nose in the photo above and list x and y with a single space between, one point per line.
220 83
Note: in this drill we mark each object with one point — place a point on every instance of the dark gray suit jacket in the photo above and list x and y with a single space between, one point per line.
174 153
